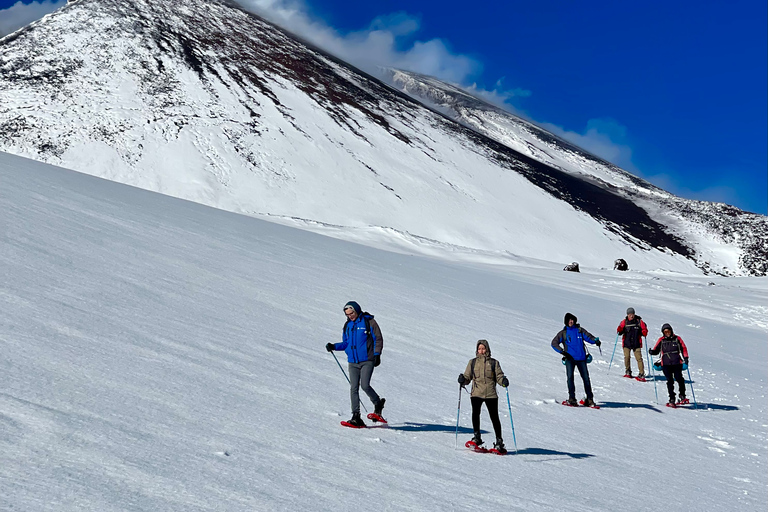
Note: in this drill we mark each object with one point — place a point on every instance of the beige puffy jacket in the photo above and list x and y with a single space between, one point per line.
484 372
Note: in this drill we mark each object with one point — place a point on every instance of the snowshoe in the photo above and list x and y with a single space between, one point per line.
683 401
355 422
376 416
628 375
672 404
588 402
474 446
641 378
498 447
571 402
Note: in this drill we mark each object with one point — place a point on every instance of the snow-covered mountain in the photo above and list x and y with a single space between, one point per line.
718 222
160 355
201 100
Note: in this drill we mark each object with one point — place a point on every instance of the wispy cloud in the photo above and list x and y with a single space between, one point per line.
388 41
722 192
19 14
605 138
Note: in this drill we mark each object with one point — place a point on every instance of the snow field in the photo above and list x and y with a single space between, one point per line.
157 354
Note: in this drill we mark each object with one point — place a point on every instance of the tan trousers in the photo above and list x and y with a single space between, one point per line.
627 360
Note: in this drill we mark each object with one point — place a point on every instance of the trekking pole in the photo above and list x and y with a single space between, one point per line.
458 410
650 367
614 351
345 376
514 440
695 405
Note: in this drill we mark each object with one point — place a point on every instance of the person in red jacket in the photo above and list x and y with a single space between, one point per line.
632 329
674 354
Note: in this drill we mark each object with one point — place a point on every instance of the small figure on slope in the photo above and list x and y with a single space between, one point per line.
674 354
570 343
362 341
485 372
632 330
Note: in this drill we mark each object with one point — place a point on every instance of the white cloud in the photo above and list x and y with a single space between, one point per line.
384 43
601 137
19 15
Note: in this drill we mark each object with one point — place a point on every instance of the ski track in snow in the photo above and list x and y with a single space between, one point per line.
161 355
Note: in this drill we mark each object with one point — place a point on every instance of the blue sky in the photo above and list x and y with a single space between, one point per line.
676 92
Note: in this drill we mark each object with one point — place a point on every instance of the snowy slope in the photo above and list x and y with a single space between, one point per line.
198 99
708 226
157 354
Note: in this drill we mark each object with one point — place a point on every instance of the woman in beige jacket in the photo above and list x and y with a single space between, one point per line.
485 372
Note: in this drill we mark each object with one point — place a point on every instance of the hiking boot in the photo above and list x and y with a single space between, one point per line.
588 402
628 373
379 407
572 402
356 420
641 375
499 446
477 439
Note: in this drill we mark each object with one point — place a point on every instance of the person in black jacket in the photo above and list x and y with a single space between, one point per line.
632 330
674 354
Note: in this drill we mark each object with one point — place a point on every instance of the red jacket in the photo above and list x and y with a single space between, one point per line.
632 332
673 350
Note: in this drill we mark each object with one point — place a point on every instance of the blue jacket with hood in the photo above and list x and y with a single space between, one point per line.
361 337
571 340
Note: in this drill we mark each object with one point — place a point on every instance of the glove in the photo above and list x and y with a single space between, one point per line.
462 379
329 347
598 342
376 361
505 382
686 360
566 355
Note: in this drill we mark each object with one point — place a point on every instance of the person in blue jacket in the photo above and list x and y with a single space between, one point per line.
570 343
362 342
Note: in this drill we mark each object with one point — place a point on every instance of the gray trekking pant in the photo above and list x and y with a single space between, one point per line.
360 376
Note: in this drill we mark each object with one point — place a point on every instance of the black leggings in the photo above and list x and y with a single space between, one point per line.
674 373
492 404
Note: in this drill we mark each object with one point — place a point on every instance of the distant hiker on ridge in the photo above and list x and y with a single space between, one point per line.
632 330
674 354
570 343
362 341
484 372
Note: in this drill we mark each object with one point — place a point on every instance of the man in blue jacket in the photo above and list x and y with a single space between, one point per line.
362 341
570 343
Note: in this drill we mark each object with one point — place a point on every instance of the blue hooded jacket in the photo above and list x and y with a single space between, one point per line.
571 340
359 337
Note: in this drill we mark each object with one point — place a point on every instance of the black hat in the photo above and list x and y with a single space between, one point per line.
568 316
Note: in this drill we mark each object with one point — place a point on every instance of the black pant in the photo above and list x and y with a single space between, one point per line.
674 373
492 404
570 364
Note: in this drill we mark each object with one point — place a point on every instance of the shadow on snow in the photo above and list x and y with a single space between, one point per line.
625 405
430 427
544 451
714 407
